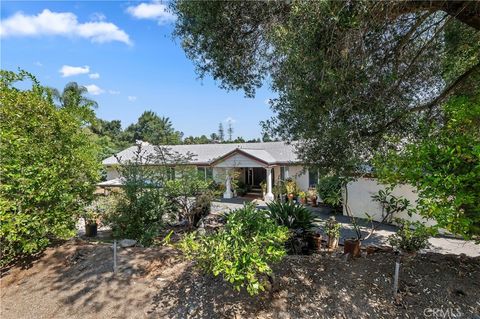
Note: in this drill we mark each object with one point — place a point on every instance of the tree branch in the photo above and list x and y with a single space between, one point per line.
467 12
445 93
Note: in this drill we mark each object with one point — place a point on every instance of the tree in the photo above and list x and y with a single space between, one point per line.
221 133
444 167
349 74
196 140
354 78
230 131
214 137
73 98
49 167
266 137
153 129
140 207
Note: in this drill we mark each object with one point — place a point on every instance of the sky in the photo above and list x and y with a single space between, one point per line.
126 56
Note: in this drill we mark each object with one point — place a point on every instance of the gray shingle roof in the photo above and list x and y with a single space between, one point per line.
270 152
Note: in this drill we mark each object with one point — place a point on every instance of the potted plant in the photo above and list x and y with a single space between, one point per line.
91 222
314 240
312 196
332 229
351 246
302 196
291 188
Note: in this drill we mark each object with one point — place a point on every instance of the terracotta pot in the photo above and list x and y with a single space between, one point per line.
302 201
352 247
314 201
315 242
91 230
332 243
290 197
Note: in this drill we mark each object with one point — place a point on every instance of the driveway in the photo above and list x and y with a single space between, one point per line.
440 244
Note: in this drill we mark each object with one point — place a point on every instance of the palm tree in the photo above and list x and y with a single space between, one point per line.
73 96
73 99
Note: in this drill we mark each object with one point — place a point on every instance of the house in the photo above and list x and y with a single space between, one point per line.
255 163
266 162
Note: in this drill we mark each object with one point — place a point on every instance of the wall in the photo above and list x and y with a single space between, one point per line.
300 177
361 202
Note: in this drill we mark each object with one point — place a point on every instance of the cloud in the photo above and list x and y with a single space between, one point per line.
113 92
68 70
132 98
98 16
94 75
152 11
38 63
61 24
94 90
230 120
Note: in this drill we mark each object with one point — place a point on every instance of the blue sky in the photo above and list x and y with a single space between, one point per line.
125 54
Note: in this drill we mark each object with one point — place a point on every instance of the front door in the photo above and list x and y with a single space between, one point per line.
259 175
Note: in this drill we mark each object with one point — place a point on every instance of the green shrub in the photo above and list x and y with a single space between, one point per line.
48 168
181 191
332 227
140 205
329 189
410 236
241 252
291 215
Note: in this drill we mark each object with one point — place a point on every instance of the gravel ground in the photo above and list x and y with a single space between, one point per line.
75 280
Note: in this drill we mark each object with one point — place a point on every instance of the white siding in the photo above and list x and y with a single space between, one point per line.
239 160
361 202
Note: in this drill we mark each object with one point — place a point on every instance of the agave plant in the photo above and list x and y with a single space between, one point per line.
291 215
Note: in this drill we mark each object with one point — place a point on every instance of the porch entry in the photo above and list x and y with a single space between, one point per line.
255 175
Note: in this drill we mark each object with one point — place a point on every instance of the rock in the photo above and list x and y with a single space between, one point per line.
127 243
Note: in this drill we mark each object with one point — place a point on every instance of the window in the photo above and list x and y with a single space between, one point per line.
283 173
312 177
208 173
205 172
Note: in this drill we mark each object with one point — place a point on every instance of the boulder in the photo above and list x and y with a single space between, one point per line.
127 243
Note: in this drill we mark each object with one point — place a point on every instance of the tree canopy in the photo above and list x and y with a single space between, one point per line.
153 129
49 167
350 74
358 80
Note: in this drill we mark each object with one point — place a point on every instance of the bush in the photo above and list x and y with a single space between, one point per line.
241 252
140 206
329 189
291 215
332 227
48 169
189 194
410 236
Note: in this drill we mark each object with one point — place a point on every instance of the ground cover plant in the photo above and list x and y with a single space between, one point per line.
242 252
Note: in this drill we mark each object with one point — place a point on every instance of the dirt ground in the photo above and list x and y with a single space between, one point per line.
75 280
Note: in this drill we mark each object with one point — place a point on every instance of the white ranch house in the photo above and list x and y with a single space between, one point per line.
257 162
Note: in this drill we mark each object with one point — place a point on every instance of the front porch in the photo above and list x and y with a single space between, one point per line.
250 167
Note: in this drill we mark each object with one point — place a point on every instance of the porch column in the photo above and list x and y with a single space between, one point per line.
269 195
228 185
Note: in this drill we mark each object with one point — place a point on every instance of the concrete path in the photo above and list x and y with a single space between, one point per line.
439 244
